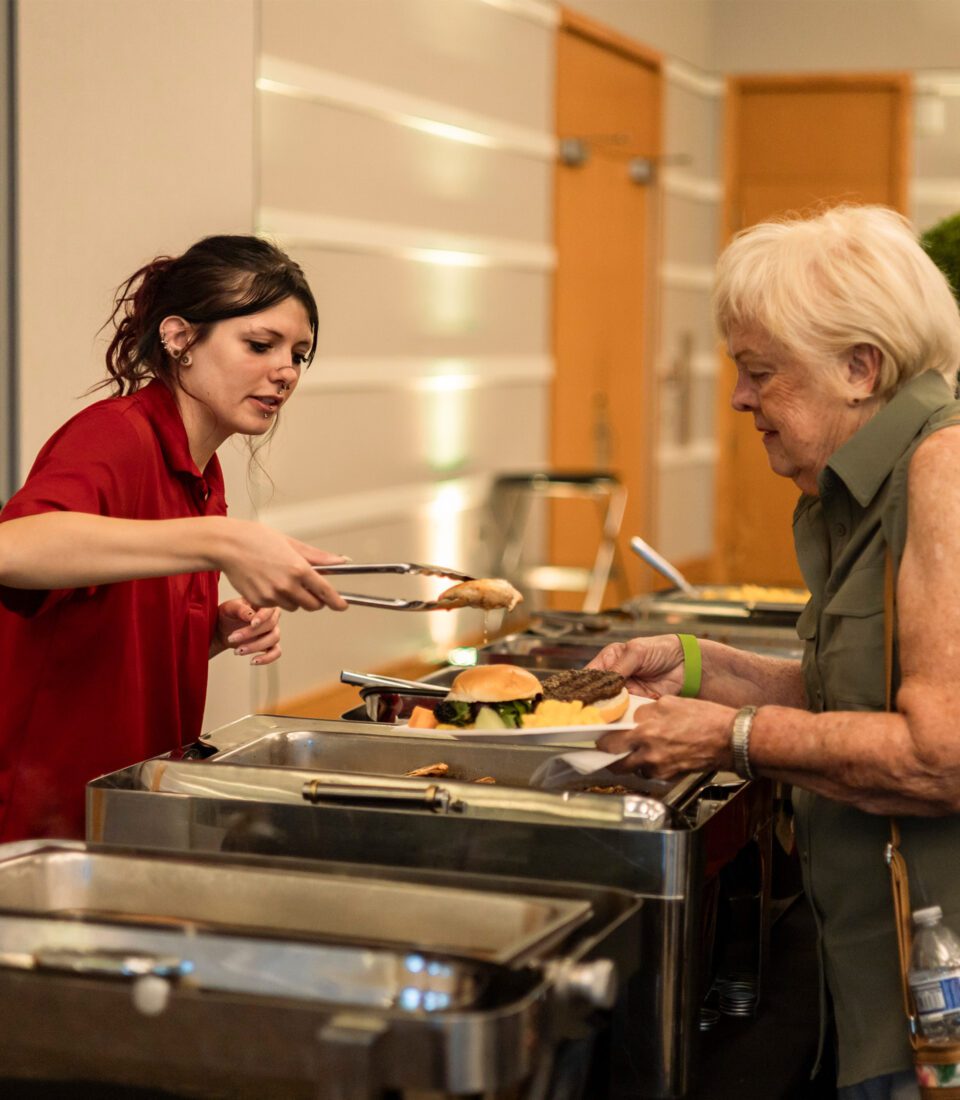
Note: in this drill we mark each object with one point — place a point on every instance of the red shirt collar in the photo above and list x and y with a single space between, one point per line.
160 407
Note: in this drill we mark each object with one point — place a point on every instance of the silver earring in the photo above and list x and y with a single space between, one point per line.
185 359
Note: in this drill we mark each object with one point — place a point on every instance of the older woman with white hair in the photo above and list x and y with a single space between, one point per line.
846 340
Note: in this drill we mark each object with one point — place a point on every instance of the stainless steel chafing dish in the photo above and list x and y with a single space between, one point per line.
244 977
697 851
571 639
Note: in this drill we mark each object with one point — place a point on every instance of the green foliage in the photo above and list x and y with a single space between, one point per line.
942 244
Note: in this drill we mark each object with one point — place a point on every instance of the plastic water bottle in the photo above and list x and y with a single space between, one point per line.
935 976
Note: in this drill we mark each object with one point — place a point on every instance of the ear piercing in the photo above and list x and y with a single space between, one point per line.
184 358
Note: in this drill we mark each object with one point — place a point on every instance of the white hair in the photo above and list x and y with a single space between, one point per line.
852 275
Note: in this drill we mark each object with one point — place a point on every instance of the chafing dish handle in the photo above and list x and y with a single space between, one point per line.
680 796
437 799
108 964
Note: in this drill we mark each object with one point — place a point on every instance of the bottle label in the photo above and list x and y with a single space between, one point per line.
938 1077
935 993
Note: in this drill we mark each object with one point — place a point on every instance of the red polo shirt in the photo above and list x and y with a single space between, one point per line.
94 679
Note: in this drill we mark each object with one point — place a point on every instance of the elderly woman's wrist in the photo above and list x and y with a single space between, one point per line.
692 666
740 735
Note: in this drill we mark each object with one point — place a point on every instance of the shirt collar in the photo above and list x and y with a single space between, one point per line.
162 411
866 460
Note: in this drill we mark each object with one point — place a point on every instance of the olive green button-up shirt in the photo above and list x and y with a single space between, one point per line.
842 537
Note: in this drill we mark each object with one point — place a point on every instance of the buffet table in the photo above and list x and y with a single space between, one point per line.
651 894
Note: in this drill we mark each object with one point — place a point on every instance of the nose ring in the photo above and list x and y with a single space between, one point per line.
283 387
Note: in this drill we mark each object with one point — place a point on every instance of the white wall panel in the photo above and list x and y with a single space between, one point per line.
125 151
692 123
474 56
686 511
691 230
318 157
331 443
375 305
369 201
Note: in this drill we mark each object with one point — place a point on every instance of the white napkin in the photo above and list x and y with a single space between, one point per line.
558 771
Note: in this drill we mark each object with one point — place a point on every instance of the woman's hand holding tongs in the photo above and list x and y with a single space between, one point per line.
270 569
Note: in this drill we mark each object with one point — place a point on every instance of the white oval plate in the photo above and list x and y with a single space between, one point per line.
538 735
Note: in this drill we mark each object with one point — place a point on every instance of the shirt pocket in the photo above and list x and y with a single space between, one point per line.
853 658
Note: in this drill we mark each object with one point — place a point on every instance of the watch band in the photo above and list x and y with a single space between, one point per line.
740 742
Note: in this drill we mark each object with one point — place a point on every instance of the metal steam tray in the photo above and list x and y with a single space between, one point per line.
245 977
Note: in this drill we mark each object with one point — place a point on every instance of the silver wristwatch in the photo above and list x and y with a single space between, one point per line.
740 742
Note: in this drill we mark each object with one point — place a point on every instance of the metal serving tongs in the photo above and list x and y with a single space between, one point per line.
389 602
392 683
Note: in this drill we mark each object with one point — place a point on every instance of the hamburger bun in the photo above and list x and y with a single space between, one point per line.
494 684
612 710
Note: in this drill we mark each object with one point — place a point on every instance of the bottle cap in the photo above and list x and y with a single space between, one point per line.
927 916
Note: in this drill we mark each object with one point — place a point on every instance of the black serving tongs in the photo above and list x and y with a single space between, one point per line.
406 567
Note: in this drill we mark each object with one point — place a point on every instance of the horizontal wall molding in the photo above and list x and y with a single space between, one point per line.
693 80
425 374
684 185
279 76
687 276
936 192
535 10
377 507
405 242
671 456
944 83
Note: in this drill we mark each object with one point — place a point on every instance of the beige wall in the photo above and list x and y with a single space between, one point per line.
136 123
840 35
432 261
135 130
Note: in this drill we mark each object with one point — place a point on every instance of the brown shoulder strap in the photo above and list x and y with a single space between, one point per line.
889 613
899 879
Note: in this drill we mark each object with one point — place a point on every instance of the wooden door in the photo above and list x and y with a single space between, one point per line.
608 99
794 143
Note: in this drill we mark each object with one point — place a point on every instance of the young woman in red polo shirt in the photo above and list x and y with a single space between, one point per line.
110 553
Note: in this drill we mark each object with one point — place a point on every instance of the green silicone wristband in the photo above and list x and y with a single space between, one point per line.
692 666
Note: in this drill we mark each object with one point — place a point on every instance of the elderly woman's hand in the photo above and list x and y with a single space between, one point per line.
674 736
651 666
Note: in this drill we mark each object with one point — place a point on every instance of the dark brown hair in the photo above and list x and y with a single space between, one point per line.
215 279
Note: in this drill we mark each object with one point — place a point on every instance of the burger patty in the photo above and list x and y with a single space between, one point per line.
586 684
